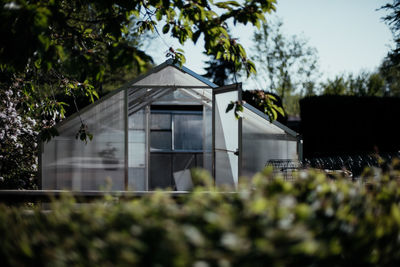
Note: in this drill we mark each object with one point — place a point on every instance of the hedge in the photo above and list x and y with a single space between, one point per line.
313 221
334 125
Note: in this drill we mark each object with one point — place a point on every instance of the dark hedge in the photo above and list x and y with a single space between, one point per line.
346 125
314 221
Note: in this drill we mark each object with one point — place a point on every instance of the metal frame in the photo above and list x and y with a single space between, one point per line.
11 197
126 138
147 172
240 127
174 112
172 151
131 83
40 151
154 95
145 100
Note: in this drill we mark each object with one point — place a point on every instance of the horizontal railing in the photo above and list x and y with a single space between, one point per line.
36 196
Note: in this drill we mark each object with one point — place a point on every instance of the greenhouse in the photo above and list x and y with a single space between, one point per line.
152 131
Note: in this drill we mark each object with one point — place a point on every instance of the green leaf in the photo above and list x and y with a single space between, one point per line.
159 15
230 107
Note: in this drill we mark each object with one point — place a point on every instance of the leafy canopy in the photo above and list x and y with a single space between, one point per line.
47 32
288 65
68 47
50 50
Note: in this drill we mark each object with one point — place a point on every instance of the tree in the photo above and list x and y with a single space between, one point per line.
363 84
71 44
266 102
391 75
18 147
390 67
287 65
220 71
393 21
73 48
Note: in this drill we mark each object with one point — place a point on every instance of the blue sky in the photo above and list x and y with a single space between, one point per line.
348 34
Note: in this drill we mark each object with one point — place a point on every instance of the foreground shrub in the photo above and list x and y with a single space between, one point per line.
314 221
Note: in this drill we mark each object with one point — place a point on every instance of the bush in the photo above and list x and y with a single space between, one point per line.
313 221
18 142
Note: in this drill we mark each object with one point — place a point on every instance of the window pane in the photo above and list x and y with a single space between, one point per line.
160 140
160 171
188 132
184 161
160 121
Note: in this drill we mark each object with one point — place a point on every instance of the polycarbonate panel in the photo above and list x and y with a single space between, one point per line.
171 76
97 165
188 134
137 179
262 141
207 138
49 151
137 120
137 150
178 97
203 94
226 140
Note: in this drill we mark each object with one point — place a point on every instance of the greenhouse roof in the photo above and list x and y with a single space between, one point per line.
178 76
170 75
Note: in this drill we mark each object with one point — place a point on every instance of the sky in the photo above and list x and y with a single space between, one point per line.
349 35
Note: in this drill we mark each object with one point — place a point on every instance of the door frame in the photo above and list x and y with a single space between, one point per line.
218 90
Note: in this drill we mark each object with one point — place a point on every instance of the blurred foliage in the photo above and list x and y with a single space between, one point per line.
221 72
267 102
313 221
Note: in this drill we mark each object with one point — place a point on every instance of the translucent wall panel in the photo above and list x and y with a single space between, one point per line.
177 97
263 141
137 150
49 169
226 140
68 163
207 140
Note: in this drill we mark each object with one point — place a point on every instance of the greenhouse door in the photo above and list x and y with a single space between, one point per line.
226 136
